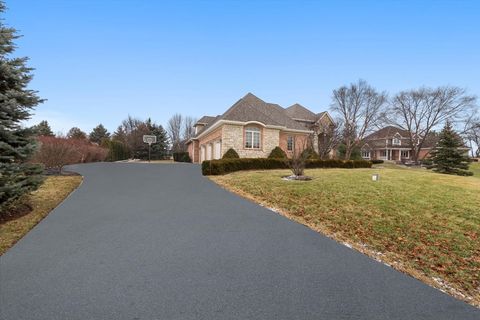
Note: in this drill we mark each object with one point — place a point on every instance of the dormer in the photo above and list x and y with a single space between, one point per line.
397 139
202 123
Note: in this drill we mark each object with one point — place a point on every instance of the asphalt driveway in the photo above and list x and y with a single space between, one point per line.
159 241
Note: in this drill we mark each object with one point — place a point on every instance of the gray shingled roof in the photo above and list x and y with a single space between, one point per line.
297 111
252 108
379 138
205 120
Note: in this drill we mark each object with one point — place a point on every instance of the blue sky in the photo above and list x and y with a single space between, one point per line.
98 61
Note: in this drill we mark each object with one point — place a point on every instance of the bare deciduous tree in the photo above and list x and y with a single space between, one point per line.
299 155
174 129
188 129
328 137
420 111
471 133
360 107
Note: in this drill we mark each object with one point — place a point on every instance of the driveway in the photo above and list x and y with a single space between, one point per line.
159 241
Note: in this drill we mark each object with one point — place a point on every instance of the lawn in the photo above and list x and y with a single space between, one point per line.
475 168
422 223
42 201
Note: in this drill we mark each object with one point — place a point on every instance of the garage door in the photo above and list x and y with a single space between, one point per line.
209 152
218 149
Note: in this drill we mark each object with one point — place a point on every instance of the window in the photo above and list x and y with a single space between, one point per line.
396 142
406 154
366 154
252 138
383 153
290 143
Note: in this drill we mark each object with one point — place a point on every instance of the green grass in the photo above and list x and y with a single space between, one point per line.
427 224
475 168
42 201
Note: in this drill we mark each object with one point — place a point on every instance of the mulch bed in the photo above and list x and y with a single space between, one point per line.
15 211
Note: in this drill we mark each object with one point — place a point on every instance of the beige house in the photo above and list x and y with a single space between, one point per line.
253 128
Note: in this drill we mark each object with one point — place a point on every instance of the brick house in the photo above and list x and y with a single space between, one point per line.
253 128
392 143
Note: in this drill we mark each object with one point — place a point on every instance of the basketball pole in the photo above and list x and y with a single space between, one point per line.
149 152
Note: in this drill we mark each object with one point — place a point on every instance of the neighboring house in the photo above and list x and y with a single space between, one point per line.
392 143
253 128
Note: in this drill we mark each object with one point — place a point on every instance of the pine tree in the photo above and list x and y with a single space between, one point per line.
76 133
98 134
43 129
448 156
16 103
159 149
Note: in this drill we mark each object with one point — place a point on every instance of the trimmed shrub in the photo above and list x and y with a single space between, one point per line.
186 158
181 157
277 153
310 154
219 167
377 161
116 150
231 154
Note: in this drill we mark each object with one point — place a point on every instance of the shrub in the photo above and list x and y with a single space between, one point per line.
219 167
310 154
116 150
55 153
181 157
277 153
186 158
377 161
231 154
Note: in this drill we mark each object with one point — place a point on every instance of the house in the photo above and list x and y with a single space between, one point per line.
392 143
253 128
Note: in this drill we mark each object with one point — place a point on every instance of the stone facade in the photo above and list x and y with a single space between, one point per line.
233 137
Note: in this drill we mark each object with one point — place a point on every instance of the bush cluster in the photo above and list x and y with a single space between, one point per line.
181 157
377 161
219 167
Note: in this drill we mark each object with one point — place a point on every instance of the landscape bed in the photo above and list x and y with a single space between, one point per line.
422 223
50 194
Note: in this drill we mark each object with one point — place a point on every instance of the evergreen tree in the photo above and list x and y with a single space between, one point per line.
16 104
43 129
98 134
76 133
448 156
159 149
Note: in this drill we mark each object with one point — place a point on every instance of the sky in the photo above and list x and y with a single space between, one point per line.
100 61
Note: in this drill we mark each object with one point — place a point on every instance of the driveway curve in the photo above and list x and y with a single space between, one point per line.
159 241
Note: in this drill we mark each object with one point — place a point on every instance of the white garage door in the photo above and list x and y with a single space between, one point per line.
218 149
209 152
202 154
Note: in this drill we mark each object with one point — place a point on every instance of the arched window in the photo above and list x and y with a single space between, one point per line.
252 138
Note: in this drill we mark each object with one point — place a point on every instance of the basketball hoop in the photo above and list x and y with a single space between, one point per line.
149 139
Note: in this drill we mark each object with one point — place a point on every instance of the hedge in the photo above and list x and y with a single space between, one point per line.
181 157
219 167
